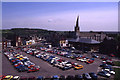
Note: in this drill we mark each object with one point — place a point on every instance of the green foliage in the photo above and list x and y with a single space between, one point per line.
51 36
117 75
117 63
117 38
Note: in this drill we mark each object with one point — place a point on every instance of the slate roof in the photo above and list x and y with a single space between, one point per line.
84 40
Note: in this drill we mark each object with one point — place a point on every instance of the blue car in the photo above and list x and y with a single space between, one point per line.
19 66
107 67
92 59
93 75
66 68
78 77
40 78
55 77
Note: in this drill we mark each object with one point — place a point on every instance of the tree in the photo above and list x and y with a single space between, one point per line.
108 46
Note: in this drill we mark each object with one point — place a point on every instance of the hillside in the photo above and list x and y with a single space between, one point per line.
50 36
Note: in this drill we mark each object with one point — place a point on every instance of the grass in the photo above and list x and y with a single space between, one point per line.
117 63
117 74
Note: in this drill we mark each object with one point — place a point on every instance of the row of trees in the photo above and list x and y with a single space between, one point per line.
111 46
51 36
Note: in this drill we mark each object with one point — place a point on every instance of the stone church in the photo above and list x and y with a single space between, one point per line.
86 41
98 36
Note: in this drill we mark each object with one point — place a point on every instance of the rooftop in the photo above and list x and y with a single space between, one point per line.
84 40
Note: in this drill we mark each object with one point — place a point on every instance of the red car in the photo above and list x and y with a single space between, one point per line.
90 61
2 77
50 51
112 55
83 56
14 60
104 59
42 49
33 69
31 53
58 53
31 66
60 60
19 63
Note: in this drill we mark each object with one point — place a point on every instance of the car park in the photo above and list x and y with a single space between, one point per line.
20 62
54 60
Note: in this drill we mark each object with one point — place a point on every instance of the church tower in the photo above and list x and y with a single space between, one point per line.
77 26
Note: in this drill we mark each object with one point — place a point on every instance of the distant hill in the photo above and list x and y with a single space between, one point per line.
50 36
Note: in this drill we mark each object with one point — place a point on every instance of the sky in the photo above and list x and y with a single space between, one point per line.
61 16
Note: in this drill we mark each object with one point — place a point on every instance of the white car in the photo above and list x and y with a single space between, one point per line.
36 51
38 55
83 59
61 66
110 71
16 78
56 64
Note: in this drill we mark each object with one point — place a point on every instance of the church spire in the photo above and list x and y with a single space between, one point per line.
77 25
77 22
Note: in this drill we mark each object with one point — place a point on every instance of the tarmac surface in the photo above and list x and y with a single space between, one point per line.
47 69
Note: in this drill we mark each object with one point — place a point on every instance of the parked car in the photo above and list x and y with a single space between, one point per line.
109 71
78 77
33 69
89 61
8 77
104 73
112 55
55 77
76 67
22 69
86 76
31 78
70 77
95 56
16 78
103 65
40 78
62 77
23 78
93 75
